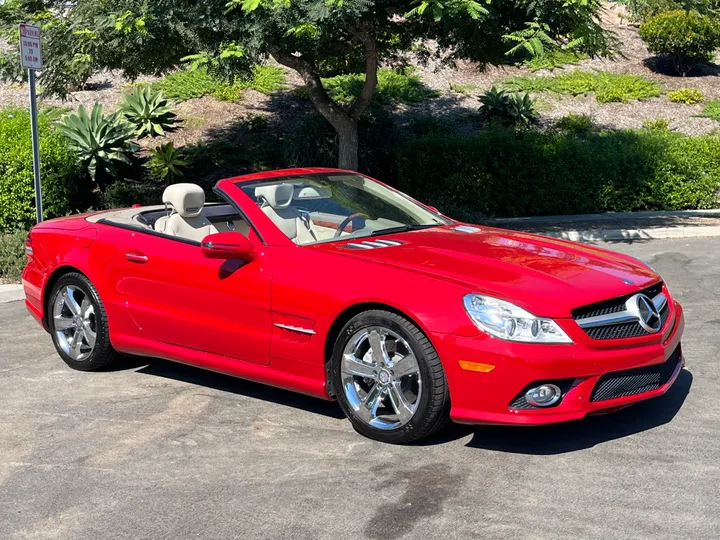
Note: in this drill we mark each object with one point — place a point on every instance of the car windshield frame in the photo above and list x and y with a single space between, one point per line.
438 220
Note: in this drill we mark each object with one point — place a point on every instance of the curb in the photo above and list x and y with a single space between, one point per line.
628 235
610 216
11 293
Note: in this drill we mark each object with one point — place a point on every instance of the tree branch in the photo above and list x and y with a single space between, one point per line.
371 68
332 112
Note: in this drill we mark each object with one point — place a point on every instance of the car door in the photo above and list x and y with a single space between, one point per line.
178 296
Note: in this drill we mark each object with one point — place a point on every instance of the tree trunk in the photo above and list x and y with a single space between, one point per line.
348 144
344 121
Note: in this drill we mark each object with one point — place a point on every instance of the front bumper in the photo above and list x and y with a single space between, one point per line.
486 398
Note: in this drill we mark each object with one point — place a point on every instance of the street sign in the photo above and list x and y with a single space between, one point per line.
31 59
30 47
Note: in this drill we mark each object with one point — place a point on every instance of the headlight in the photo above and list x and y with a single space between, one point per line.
507 321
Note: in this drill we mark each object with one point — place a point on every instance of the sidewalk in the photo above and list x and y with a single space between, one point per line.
11 292
632 226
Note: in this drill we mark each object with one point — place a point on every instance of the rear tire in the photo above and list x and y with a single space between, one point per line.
78 324
389 379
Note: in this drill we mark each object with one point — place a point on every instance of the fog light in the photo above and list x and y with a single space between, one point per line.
544 395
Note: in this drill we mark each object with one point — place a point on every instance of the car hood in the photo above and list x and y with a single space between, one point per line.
546 276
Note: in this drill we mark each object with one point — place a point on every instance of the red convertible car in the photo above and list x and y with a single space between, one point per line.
330 283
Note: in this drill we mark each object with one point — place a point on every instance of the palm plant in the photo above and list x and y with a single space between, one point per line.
102 143
148 111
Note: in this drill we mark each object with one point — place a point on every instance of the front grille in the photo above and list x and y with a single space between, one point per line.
635 381
625 330
614 305
617 305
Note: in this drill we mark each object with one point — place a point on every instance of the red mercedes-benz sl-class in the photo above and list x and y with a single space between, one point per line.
330 283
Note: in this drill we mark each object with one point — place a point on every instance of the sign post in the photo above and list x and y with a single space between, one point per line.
31 59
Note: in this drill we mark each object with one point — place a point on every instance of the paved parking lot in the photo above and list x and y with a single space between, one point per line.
158 450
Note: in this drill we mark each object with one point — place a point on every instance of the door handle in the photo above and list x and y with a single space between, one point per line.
136 257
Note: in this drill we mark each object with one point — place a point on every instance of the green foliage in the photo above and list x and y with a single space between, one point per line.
505 173
102 143
125 193
187 84
465 89
508 109
65 187
166 163
658 124
688 96
195 83
148 111
393 87
426 125
642 10
554 58
685 36
712 110
12 255
607 87
579 124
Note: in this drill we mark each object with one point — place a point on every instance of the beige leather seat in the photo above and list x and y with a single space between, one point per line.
276 203
186 219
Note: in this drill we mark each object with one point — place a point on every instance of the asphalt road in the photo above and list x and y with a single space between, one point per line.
158 450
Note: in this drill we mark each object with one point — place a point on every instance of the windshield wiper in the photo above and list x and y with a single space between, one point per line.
402 228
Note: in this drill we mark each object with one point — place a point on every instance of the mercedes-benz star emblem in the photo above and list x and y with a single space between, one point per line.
647 314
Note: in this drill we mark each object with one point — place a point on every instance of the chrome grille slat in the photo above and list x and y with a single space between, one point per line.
615 318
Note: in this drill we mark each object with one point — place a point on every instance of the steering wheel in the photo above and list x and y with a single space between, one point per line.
347 221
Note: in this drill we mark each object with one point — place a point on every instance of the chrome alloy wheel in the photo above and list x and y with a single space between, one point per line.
381 378
74 323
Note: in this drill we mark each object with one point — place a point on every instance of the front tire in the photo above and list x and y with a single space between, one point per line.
78 324
388 378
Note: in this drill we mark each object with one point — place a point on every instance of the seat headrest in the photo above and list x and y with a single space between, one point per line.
277 196
186 199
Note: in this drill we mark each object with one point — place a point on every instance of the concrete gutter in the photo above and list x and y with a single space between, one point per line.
619 226
11 293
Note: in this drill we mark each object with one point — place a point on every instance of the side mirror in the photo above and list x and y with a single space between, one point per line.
226 245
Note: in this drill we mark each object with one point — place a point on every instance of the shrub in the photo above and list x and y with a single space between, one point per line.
148 111
393 87
685 36
659 124
463 88
553 58
196 83
579 124
166 163
12 255
65 187
712 110
642 10
102 143
688 96
507 109
606 86
125 193
503 173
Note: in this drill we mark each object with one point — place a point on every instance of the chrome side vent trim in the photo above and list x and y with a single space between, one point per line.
466 229
372 244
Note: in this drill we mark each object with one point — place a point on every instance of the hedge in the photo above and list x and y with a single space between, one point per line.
504 173
65 186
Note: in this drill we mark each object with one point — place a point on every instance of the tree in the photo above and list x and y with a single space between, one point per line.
317 38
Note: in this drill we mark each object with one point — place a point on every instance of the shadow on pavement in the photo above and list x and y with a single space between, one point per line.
227 383
572 436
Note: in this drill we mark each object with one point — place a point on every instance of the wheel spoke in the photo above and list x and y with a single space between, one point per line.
402 408
355 366
377 345
89 335
69 299
369 405
62 323
86 308
407 365
76 345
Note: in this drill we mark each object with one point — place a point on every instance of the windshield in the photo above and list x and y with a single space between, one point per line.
333 206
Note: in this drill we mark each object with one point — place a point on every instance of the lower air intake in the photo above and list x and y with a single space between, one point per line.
635 381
